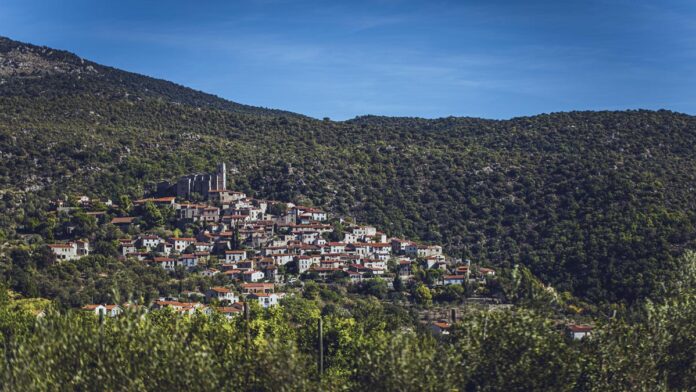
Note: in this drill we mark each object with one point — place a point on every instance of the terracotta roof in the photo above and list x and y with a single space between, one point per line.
325 269
579 328
258 285
178 304
166 199
123 219
95 306
442 324
228 309
68 246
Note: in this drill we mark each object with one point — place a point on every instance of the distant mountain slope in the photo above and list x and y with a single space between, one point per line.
32 71
596 203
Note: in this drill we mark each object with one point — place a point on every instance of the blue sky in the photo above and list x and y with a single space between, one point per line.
493 59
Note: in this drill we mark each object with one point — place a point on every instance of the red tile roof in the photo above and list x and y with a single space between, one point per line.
122 220
579 328
60 246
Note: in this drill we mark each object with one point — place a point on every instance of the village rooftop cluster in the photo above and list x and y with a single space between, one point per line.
260 246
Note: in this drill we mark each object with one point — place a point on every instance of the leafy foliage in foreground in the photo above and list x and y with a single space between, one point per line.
512 350
596 203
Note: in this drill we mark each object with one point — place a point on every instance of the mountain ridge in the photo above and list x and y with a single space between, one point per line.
26 63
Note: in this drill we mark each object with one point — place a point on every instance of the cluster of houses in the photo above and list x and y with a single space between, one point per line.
243 240
263 244
240 238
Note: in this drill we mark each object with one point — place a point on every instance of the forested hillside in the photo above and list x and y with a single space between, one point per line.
596 203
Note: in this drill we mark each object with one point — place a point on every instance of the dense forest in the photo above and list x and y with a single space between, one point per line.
599 204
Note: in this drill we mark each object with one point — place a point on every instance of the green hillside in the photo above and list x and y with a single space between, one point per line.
596 203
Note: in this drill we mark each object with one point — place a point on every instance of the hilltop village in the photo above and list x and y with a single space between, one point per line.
259 250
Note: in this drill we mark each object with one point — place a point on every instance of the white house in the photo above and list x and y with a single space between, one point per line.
375 264
149 242
308 237
166 263
350 238
204 247
578 332
229 311
335 247
104 310
266 300
381 249
210 272
182 243
429 251
221 294
70 250
188 261
453 279
304 263
127 247
253 276
364 231
233 256
281 259
361 248
82 248
355 277
278 248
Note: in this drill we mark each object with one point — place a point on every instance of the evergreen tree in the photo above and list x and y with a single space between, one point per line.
398 283
152 215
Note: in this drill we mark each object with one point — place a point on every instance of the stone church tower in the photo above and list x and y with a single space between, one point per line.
220 178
